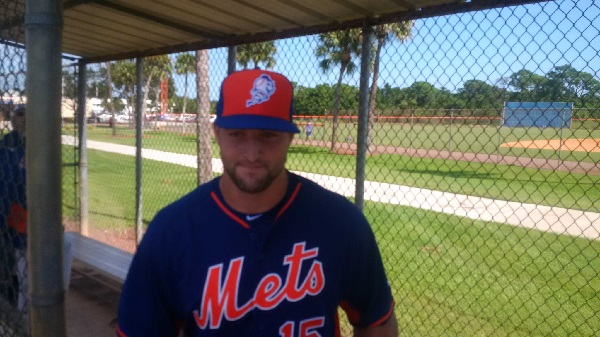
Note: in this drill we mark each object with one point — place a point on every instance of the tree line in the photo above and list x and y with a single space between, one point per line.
561 84
340 51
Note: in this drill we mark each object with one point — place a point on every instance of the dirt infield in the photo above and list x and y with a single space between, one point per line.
579 145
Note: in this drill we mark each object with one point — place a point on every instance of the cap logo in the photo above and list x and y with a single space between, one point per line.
262 90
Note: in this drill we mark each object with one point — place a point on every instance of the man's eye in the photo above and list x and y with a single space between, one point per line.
270 135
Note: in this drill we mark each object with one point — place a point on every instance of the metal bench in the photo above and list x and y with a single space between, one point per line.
99 260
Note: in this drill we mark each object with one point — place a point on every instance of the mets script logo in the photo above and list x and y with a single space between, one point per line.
262 89
220 297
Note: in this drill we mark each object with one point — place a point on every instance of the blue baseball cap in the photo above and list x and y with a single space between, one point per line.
256 99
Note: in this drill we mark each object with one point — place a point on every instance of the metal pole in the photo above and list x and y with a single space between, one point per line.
499 128
43 23
450 138
83 157
363 117
411 149
138 150
231 59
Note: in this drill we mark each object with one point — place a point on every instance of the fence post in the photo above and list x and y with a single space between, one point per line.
43 24
499 128
139 97
362 140
450 138
83 157
231 59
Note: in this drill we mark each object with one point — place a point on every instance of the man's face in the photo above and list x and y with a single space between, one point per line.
18 121
252 158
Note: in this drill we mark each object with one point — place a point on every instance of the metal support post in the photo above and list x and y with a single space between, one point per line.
43 23
139 113
83 157
231 59
363 117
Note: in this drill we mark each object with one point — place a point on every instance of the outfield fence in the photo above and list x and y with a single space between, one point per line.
485 230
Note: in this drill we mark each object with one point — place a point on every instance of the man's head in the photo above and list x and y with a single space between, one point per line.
254 128
17 119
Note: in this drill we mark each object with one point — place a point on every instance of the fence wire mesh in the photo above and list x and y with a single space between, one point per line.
485 227
13 262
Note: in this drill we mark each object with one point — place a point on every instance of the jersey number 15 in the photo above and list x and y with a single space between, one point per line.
306 329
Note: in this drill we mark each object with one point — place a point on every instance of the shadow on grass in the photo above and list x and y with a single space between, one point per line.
454 174
73 216
301 149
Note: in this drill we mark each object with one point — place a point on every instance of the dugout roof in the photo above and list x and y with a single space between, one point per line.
102 30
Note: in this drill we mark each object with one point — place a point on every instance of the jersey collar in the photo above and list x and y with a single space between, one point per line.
275 213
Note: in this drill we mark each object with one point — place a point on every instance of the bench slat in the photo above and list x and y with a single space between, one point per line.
101 256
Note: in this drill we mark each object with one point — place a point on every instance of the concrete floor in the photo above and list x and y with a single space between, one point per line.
91 306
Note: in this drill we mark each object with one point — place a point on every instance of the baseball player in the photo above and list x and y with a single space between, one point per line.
13 213
258 251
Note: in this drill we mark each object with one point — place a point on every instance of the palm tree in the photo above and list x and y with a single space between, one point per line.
261 52
383 34
338 48
203 127
124 77
159 66
184 65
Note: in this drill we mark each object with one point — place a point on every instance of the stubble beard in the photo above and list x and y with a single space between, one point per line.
252 185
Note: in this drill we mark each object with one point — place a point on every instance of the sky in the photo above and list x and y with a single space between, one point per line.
446 51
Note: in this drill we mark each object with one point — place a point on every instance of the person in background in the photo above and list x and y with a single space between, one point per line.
13 213
258 251
15 139
8 239
309 129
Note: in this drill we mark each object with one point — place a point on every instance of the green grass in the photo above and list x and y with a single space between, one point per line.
505 182
111 184
450 275
443 137
462 137
457 277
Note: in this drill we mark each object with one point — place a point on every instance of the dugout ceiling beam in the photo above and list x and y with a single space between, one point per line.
105 30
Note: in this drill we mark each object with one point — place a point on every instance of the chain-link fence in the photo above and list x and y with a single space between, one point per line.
488 219
13 263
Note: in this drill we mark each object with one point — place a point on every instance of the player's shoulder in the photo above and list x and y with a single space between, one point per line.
10 140
9 156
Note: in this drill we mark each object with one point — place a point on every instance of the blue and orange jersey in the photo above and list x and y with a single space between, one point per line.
209 270
13 205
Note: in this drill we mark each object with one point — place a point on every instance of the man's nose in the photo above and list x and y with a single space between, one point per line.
252 147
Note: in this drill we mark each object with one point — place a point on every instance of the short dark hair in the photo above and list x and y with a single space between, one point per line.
19 111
